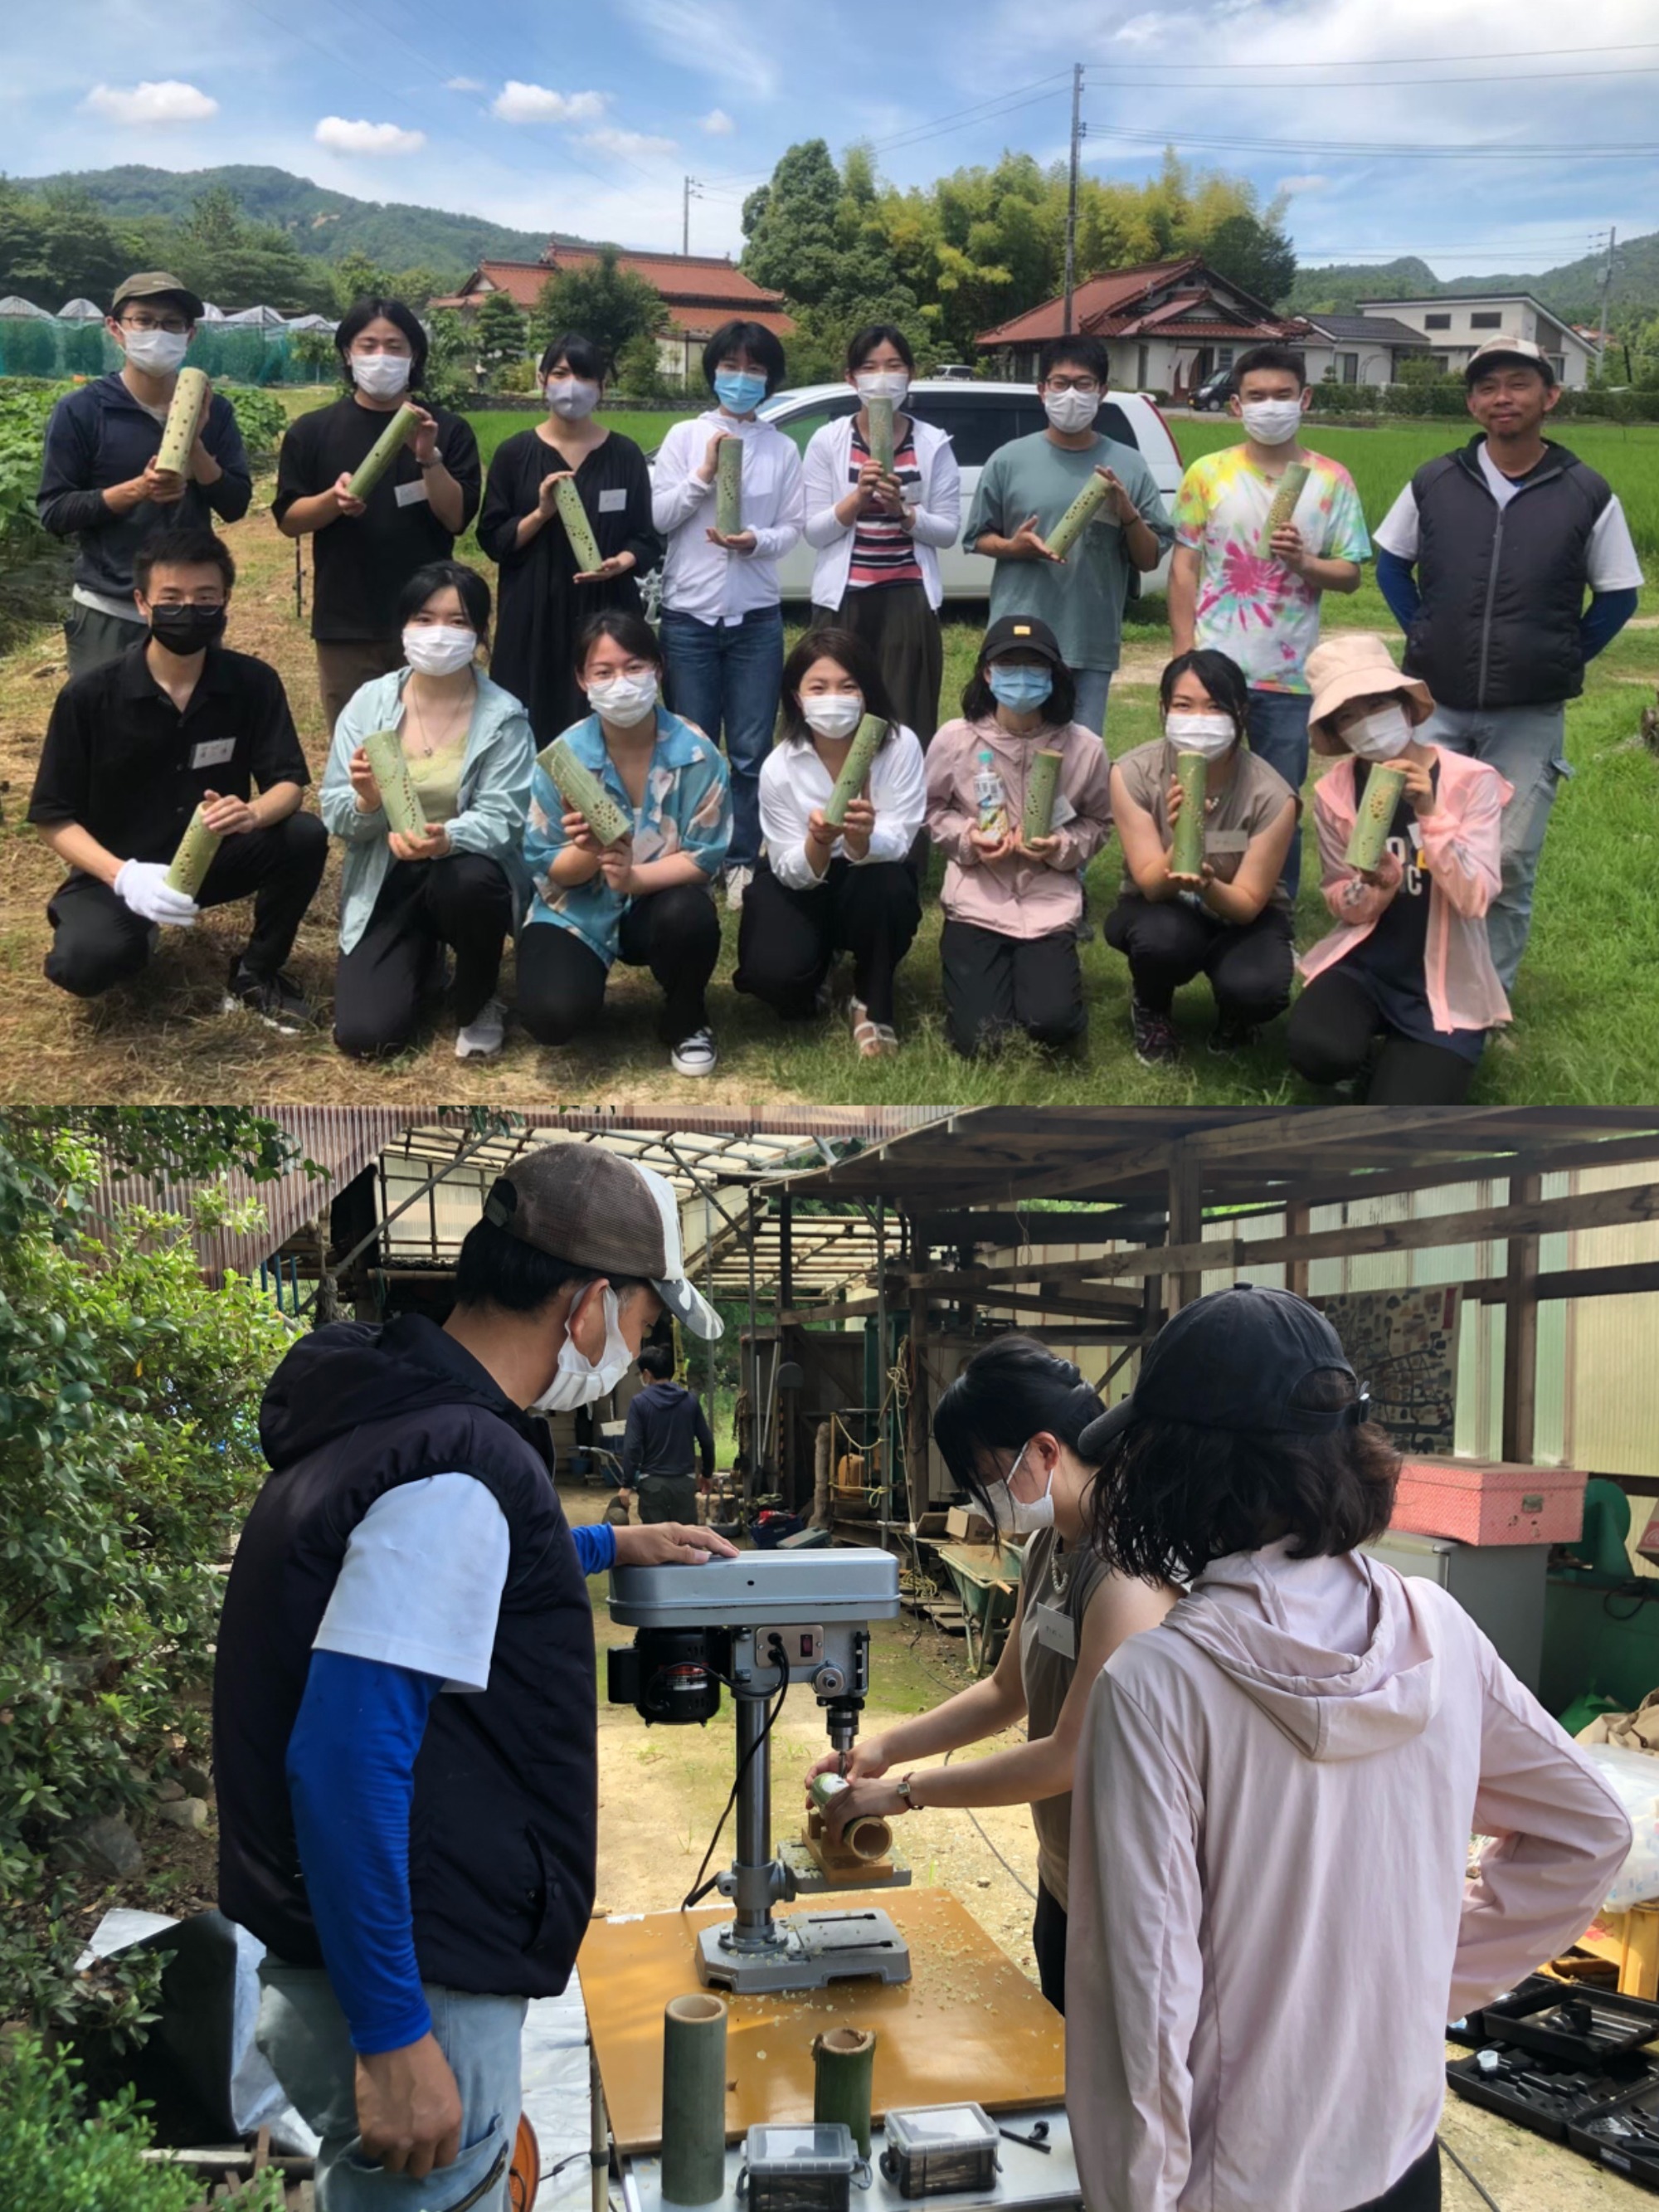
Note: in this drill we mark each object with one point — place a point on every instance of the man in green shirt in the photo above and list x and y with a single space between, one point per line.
1028 484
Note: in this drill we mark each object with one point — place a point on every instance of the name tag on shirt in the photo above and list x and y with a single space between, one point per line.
411 495
1064 811
1056 1631
213 752
613 502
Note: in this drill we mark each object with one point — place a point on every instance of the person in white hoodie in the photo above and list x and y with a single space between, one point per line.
1270 1922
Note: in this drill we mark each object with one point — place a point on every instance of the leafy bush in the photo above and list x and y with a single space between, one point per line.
260 417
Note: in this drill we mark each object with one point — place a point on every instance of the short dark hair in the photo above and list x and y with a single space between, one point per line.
585 359
1274 354
186 545
630 631
658 1360
979 701
1221 677
357 318
1008 1393
831 642
496 1268
1172 1497
762 347
1081 350
471 586
863 343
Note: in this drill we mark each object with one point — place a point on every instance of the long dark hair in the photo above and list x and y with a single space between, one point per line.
979 702
357 318
848 651
1222 678
1008 1393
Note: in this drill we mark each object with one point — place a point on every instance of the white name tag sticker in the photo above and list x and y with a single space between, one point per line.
213 752
1056 1631
613 502
1064 811
411 495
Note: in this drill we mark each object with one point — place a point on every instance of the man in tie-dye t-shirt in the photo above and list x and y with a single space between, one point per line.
1257 601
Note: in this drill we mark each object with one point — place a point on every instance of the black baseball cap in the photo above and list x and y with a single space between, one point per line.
1234 1359
1024 633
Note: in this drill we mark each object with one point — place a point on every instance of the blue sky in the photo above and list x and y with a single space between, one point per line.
587 117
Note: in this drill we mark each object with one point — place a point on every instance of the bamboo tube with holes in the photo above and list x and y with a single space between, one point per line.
1368 837
843 2065
385 451
728 486
1081 512
399 800
580 789
855 769
584 545
184 423
194 856
694 2100
1042 789
1291 487
865 1835
1186 845
880 413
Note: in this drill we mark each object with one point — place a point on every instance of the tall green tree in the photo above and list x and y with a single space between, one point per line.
602 300
499 331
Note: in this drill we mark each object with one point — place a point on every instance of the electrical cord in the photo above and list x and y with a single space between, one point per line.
992 1848
1479 2190
700 1888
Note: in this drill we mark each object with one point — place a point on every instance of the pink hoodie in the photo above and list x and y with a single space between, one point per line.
1461 846
1017 897
1270 1925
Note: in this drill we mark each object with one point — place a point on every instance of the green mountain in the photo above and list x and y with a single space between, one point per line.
1572 291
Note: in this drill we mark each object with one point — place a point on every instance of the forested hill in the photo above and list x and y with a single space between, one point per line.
1572 291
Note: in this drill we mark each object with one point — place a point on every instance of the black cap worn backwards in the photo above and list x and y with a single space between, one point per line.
1235 1359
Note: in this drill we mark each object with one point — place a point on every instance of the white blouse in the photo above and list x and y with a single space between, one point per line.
794 782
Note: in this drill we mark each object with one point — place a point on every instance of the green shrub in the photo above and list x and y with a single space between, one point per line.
261 418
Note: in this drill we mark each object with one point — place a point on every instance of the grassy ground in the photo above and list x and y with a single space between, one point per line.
1587 1024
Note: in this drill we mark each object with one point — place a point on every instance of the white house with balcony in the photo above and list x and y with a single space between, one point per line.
1453 325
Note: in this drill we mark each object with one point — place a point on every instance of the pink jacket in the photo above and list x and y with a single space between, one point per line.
1016 897
1270 1923
1461 845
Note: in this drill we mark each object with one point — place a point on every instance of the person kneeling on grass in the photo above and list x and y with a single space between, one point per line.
822 890
1013 906
462 885
644 900
1407 972
134 747
1231 920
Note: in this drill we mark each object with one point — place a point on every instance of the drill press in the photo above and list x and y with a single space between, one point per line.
752 1625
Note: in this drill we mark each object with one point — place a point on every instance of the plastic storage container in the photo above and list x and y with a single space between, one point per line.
1480 1501
939 2147
801 2169
1540 2093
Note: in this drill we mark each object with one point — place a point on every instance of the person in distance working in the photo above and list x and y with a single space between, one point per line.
666 1433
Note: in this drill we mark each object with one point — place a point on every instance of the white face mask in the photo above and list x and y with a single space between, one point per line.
382 375
1013 1516
157 353
1271 422
1381 735
833 714
626 701
439 648
1071 411
577 1380
573 396
1209 735
882 384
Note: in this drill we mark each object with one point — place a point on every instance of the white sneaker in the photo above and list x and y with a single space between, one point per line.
696 1055
484 1034
737 881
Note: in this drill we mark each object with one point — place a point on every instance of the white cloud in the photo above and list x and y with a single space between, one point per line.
165 100
463 84
717 123
626 144
536 103
1140 30
362 137
1303 184
716 37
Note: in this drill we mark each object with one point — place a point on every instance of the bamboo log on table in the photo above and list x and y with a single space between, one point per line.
843 2067
694 2100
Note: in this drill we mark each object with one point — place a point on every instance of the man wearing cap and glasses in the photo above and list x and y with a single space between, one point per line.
1276 1786
405 1699
1485 559
98 481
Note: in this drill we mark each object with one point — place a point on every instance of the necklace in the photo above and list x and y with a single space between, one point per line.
1060 1567
448 733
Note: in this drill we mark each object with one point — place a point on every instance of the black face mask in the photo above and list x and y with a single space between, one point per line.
185 630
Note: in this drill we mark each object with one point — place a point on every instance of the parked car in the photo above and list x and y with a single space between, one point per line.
1212 395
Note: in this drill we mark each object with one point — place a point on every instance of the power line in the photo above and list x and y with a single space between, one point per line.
1185 83
1361 149
1411 61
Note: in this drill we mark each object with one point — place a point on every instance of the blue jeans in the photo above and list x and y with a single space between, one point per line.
1093 685
303 2033
1278 734
726 677
1527 746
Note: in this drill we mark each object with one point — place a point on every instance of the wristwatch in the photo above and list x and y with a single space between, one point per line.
902 1789
436 462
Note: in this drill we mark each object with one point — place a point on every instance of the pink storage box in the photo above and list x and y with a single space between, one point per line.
1485 1501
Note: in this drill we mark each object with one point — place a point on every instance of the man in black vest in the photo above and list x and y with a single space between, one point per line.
404 1702
1485 559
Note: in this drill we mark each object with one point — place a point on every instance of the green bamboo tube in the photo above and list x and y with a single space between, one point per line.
1371 824
855 769
1187 846
1290 491
579 786
1067 531
728 486
194 856
868 1837
1042 789
184 422
694 2100
398 797
385 451
843 2062
577 527
880 412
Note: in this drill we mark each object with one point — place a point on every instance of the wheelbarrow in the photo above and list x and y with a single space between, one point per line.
986 1580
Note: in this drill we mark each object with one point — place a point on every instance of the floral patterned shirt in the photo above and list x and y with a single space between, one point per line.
1249 605
687 809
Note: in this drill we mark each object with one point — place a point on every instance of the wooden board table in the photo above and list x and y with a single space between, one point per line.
967 2024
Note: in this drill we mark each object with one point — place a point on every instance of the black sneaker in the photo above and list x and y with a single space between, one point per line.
1156 1040
1231 1034
274 999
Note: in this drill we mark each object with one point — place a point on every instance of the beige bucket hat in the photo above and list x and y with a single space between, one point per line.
1356 664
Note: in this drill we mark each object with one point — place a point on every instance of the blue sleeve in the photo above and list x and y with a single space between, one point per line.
1602 620
596 1546
66 501
231 495
1397 581
351 1780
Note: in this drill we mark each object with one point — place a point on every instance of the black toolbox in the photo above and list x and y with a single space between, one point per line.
1624 2137
1576 2026
1544 2094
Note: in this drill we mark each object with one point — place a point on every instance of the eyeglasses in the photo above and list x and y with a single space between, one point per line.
207 602
174 325
1088 385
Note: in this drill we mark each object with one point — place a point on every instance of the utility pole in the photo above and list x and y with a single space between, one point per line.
1071 197
692 190
1607 286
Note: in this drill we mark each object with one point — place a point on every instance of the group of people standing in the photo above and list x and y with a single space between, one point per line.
722 753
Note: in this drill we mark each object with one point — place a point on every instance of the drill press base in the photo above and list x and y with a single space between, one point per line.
816 1949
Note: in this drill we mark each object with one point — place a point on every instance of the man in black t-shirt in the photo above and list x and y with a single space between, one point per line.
134 748
364 552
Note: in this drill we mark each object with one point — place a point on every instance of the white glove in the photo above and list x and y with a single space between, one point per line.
144 887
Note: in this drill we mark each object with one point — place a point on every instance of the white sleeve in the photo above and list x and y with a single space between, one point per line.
421 1583
818 490
774 538
784 814
899 788
677 490
1613 563
1397 532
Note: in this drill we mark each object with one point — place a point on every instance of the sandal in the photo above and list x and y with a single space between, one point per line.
874 1040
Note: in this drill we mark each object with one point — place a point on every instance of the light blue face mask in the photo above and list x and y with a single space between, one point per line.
1018 687
739 389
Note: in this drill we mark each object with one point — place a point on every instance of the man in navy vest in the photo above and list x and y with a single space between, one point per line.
404 1700
1485 560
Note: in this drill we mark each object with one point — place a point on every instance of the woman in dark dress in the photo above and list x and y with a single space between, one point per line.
544 599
